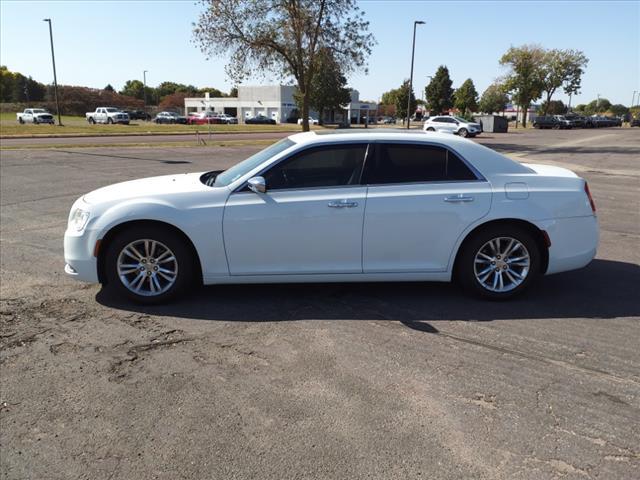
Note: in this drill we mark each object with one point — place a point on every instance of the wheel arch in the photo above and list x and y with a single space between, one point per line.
116 229
539 235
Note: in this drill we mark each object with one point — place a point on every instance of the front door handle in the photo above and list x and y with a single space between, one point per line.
460 198
342 204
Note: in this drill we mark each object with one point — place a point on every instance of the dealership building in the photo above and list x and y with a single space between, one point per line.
277 102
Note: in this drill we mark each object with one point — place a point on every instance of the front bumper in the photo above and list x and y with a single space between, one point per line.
80 263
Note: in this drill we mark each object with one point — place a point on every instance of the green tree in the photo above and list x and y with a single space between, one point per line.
465 98
213 92
6 84
401 99
597 106
109 88
133 88
284 37
554 107
618 110
233 92
439 92
328 88
494 99
525 75
561 68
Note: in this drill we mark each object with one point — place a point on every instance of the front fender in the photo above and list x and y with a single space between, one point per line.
201 224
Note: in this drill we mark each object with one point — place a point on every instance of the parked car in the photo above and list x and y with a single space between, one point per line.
578 120
364 206
635 122
227 119
312 121
202 118
107 115
546 121
564 122
451 124
260 120
169 117
137 115
387 120
35 116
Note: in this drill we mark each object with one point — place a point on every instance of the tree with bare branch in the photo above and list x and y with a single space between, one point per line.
285 37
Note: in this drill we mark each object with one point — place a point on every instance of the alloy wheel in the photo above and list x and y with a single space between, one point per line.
502 264
147 267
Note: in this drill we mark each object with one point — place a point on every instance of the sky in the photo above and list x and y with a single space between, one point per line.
108 42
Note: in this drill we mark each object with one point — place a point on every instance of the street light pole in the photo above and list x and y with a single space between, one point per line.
144 90
413 51
55 79
633 98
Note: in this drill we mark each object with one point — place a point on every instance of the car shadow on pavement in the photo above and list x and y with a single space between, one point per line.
605 289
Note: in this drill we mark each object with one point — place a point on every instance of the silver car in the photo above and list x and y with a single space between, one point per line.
451 124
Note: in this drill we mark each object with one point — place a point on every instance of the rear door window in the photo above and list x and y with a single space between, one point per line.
411 163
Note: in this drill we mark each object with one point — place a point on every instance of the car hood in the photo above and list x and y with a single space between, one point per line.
157 187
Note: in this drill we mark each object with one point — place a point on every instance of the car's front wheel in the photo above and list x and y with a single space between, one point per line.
149 264
499 262
463 132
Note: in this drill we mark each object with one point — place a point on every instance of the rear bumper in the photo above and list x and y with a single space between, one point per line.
574 242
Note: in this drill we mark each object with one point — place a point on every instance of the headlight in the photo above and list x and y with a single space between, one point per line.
79 219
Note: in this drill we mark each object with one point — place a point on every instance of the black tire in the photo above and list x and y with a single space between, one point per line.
91 121
463 132
465 273
109 121
185 261
431 129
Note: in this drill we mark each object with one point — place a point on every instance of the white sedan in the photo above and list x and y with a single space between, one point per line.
312 121
345 207
450 124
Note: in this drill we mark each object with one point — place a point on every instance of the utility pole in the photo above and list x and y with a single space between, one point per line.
633 98
413 51
144 90
55 79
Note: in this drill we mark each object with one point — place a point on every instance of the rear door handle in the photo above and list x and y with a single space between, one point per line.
342 204
460 198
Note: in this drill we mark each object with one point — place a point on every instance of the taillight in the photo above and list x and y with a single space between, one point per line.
588 192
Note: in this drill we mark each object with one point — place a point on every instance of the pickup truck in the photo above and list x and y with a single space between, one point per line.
35 116
107 115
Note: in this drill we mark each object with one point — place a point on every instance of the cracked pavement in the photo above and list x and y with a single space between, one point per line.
407 380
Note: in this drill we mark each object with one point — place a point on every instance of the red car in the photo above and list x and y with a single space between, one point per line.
202 118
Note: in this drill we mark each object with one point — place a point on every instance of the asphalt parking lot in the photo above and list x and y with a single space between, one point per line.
317 381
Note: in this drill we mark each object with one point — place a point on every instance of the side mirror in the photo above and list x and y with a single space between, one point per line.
257 185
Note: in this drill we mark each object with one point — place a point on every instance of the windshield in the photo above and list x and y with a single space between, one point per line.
460 119
38 110
244 167
111 110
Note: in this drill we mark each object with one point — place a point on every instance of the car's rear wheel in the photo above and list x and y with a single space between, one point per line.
431 129
499 262
149 264
463 132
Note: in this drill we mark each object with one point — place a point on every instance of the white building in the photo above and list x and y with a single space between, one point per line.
274 101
